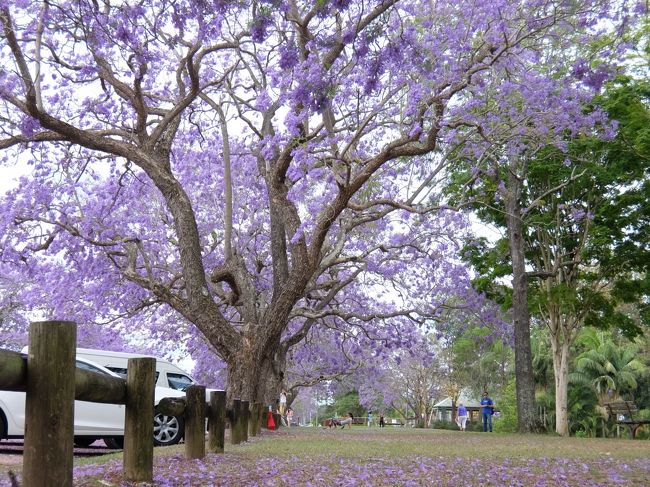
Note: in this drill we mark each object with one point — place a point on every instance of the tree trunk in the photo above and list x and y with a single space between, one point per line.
255 379
561 372
520 316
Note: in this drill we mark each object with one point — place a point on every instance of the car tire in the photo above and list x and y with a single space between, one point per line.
3 426
84 441
115 442
167 430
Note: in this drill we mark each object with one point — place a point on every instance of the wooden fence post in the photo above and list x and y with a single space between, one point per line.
195 422
217 421
235 437
245 419
138 427
49 406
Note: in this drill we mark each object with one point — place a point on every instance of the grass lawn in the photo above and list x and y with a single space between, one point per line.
392 457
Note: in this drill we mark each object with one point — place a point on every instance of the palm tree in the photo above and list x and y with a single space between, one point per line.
609 368
543 375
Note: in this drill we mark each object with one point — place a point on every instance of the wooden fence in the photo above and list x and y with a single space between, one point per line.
49 424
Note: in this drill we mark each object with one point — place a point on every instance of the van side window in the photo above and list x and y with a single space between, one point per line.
85 366
179 382
121 371
118 370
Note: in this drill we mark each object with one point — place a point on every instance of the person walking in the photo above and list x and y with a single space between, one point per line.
461 416
370 420
283 403
487 408
347 420
382 422
282 407
289 417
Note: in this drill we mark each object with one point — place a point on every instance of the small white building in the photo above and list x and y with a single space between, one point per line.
442 411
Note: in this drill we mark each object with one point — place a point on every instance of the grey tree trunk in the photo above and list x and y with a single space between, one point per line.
521 319
561 370
256 378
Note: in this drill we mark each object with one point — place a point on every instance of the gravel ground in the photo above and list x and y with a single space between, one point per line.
11 453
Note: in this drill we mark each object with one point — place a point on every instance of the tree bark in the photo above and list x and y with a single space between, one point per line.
520 316
255 376
561 372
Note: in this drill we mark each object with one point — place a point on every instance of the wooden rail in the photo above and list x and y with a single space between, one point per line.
49 422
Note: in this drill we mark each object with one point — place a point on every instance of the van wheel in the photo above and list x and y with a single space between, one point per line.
167 430
115 442
84 441
3 426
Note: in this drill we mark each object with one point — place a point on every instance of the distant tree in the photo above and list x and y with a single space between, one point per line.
583 213
13 322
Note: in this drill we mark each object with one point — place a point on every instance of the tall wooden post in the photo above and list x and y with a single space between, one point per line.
195 422
49 406
235 421
138 427
245 419
217 421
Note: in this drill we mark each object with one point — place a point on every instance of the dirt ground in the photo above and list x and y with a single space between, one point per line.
11 456
10 461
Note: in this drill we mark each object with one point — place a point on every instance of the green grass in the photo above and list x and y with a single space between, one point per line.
327 457
363 442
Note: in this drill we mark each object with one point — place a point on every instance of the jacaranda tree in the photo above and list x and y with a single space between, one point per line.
244 163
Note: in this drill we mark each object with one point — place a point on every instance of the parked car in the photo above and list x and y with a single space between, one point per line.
167 374
93 420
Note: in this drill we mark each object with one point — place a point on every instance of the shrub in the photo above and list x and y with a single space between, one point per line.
507 406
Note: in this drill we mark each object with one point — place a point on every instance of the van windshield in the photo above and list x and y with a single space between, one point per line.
179 382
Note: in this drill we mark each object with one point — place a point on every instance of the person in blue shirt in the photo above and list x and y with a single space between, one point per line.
461 416
487 408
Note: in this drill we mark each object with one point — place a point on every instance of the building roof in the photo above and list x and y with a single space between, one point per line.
467 401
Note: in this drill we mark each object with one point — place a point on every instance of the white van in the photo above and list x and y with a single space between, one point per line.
167 374
93 420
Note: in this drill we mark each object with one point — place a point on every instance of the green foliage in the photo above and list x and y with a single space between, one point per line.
588 208
581 406
542 360
479 363
610 368
507 406
344 403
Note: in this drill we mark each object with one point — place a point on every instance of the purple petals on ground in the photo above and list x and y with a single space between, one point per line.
334 470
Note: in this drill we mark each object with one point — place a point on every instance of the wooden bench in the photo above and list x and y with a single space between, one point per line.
623 413
393 422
